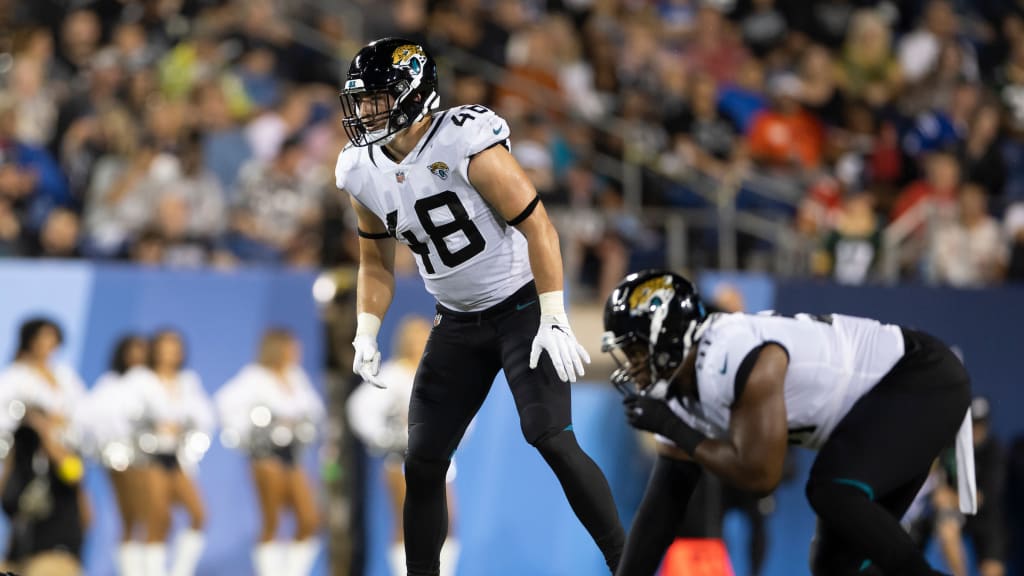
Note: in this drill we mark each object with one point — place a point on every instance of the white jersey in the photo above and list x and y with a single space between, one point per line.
469 257
833 361
293 399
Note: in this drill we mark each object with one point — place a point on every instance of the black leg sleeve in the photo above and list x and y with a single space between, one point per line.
867 528
426 510
587 491
663 508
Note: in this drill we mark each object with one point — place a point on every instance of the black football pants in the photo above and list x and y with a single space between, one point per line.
463 355
875 461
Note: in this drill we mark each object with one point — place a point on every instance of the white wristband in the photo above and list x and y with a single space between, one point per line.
552 304
367 325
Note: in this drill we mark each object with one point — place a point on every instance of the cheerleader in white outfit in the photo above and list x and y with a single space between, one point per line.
112 415
271 411
41 483
178 420
380 418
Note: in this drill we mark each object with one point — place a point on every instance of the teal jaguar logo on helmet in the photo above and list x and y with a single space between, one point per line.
409 56
391 85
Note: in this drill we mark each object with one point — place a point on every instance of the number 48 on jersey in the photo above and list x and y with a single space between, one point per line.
437 233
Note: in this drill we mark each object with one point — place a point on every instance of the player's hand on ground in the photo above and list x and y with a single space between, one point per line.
646 413
367 360
556 338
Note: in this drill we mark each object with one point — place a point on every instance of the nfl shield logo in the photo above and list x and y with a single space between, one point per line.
400 177
437 320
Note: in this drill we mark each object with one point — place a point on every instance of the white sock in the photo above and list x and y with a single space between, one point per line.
269 559
396 557
154 560
129 559
301 557
187 550
450 556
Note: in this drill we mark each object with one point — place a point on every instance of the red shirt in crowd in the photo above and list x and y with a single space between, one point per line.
918 192
783 139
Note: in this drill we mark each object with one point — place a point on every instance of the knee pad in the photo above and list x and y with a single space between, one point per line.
422 472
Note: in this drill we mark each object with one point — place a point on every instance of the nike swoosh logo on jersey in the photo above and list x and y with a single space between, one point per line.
524 306
559 328
496 130
725 365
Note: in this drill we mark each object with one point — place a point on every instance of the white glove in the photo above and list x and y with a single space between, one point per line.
556 338
367 359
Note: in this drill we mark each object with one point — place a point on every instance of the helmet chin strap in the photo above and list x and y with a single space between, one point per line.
431 104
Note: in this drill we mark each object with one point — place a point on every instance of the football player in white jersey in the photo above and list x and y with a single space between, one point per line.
727 392
445 184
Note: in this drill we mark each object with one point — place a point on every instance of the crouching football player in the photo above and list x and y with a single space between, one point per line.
727 392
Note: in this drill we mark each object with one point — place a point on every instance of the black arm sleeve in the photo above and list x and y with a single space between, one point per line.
659 516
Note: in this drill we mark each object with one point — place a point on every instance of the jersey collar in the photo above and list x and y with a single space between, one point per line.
417 149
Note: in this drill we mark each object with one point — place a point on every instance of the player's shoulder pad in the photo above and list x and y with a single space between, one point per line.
348 159
727 332
724 324
474 128
726 342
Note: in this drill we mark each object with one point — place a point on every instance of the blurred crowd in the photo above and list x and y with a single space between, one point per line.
164 132
841 117
188 132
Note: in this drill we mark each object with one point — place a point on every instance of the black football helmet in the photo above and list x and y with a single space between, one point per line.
651 321
391 84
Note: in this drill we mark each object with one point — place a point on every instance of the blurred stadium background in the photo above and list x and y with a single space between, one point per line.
170 163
